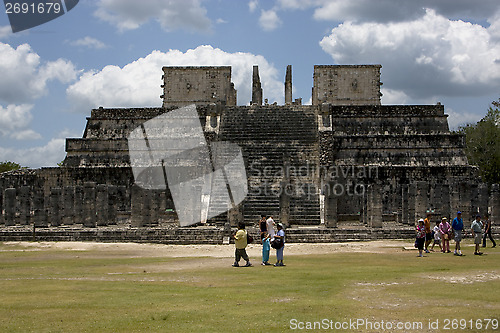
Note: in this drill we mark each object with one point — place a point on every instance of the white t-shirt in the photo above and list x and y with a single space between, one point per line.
437 233
270 227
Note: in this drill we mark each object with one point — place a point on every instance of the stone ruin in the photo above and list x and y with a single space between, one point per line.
344 168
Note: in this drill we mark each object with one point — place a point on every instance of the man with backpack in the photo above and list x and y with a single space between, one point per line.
240 242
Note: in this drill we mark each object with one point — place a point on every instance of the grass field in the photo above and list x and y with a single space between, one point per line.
107 289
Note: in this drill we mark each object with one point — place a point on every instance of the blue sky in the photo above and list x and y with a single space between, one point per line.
110 53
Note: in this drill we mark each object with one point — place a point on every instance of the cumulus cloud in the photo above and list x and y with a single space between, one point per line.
5 31
172 15
25 77
47 155
384 11
269 20
14 122
456 119
89 42
252 5
429 56
138 83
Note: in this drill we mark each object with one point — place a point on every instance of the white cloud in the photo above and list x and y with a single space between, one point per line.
430 56
89 42
5 31
172 15
394 97
269 20
252 5
138 83
48 155
220 21
24 77
391 11
14 120
456 119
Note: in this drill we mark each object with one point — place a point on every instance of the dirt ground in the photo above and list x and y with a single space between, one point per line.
215 251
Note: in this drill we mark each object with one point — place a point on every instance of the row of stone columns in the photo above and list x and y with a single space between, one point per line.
89 205
417 198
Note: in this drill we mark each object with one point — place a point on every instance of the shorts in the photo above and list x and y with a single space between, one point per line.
458 235
429 236
478 237
420 243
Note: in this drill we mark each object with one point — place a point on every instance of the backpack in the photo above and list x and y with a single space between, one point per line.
249 238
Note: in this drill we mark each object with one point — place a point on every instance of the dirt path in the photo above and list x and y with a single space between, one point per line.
215 251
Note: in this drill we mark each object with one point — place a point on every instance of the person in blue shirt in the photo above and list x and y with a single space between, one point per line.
279 252
458 227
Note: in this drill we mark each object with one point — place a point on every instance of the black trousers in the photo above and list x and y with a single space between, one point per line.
491 238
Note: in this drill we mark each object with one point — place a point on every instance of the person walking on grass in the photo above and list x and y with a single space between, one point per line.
266 248
240 243
420 241
445 229
428 232
279 251
262 226
477 233
458 227
487 231
437 237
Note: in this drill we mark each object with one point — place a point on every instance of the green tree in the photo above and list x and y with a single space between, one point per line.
9 166
483 144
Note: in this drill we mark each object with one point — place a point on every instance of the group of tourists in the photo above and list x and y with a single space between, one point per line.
443 232
269 236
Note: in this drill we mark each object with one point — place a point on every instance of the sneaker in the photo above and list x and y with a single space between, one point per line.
448 251
480 253
248 264
268 263
476 253
236 265
263 264
427 251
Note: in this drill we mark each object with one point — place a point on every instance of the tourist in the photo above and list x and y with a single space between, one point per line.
240 244
270 227
487 231
262 226
445 229
437 237
279 251
420 241
266 248
458 227
477 233
428 232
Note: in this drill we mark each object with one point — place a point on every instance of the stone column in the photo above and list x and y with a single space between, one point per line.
68 205
39 214
89 204
10 206
375 205
483 198
102 205
474 199
495 204
404 204
412 193
55 207
112 204
25 205
284 204
465 202
421 199
136 202
79 204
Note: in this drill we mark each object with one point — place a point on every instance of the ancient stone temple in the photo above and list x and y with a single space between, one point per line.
345 167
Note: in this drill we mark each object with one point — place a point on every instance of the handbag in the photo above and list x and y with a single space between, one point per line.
277 243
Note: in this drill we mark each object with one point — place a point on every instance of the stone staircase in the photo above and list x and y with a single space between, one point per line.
272 137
